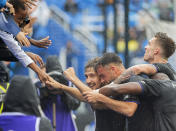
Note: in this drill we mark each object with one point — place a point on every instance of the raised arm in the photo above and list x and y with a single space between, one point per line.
70 74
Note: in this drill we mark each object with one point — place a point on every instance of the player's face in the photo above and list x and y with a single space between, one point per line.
150 50
105 75
92 79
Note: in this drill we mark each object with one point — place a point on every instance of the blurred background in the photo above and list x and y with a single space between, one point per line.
83 29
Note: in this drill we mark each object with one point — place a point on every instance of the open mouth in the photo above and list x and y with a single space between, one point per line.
91 85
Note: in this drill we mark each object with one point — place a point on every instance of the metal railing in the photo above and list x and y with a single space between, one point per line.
79 33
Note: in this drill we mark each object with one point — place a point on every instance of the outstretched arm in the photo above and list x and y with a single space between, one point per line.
41 74
118 89
147 69
72 91
43 43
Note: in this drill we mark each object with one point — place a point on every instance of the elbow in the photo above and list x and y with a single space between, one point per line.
130 112
127 112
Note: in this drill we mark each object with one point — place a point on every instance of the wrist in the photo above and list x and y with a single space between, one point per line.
100 98
32 41
74 79
35 68
60 87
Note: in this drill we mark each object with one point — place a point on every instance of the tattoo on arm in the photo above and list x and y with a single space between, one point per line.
124 77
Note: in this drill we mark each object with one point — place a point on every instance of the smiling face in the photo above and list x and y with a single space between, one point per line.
151 50
92 79
107 74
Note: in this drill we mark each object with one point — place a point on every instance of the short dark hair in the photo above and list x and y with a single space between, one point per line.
166 43
91 63
18 4
107 59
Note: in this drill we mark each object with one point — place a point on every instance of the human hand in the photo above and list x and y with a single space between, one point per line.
70 73
22 39
36 58
30 3
2 9
91 96
43 77
52 84
55 86
43 43
11 9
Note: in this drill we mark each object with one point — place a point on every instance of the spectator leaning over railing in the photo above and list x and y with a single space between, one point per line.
8 25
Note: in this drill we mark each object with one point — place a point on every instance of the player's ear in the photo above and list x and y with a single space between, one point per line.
157 51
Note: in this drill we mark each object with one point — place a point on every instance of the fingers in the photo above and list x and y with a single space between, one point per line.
30 2
45 78
89 99
86 93
12 11
26 42
43 43
46 38
40 61
29 6
22 39
2 10
36 58
49 83
69 71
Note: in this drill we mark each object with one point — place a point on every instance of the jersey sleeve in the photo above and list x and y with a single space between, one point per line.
131 98
150 88
136 78
164 68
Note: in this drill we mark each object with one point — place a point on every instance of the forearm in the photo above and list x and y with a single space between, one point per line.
98 105
108 91
119 89
32 41
147 69
126 108
80 85
73 92
34 67
8 4
16 50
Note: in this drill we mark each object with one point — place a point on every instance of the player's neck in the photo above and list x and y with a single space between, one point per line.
158 60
